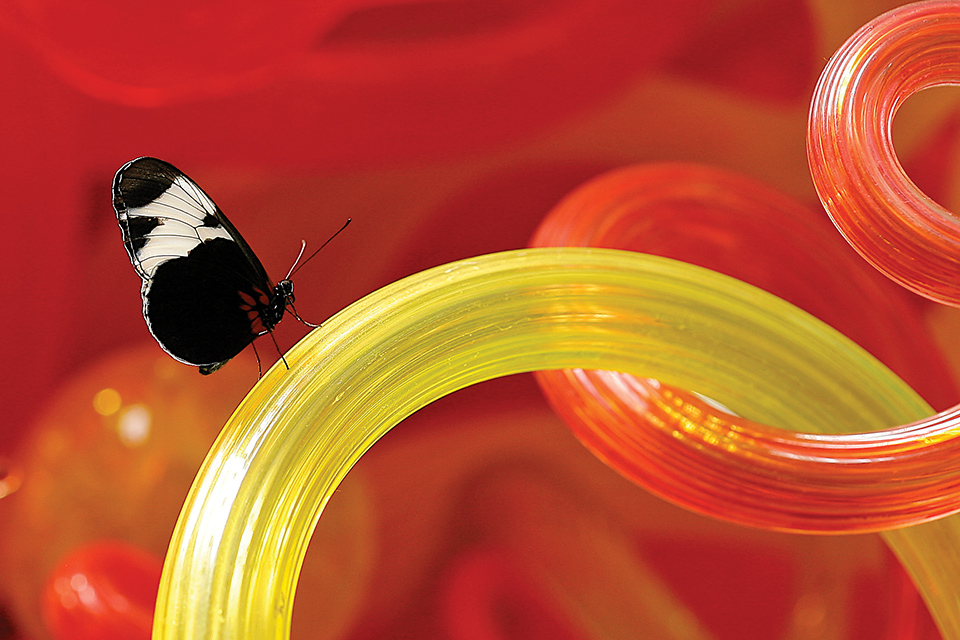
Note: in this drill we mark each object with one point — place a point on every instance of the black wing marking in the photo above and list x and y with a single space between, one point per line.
200 309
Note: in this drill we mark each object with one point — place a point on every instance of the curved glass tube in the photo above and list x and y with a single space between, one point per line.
774 478
880 211
234 559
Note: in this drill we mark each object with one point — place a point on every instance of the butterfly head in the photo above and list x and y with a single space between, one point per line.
284 291
281 297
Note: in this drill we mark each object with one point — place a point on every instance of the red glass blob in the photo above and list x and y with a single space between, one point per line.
105 590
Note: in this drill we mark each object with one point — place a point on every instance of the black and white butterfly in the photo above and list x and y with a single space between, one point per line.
206 296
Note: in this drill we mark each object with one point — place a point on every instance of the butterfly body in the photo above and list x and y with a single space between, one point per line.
206 296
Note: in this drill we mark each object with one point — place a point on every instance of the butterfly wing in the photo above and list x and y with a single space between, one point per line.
204 291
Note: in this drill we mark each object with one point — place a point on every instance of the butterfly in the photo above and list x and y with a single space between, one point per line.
206 296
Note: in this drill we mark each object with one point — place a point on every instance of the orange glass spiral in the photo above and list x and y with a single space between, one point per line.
881 212
679 446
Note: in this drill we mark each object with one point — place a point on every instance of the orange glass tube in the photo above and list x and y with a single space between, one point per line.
675 443
879 210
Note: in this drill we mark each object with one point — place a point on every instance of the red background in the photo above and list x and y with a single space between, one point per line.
444 129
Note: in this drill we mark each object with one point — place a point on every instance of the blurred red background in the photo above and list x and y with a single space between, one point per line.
445 129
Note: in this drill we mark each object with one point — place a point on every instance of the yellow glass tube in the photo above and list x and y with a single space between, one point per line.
235 556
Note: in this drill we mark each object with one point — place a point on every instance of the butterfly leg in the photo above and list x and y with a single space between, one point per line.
259 366
296 315
278 350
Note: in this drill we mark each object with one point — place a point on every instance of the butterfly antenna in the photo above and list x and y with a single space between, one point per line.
296 268
303 246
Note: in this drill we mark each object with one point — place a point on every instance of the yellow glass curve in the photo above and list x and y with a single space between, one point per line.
233 562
